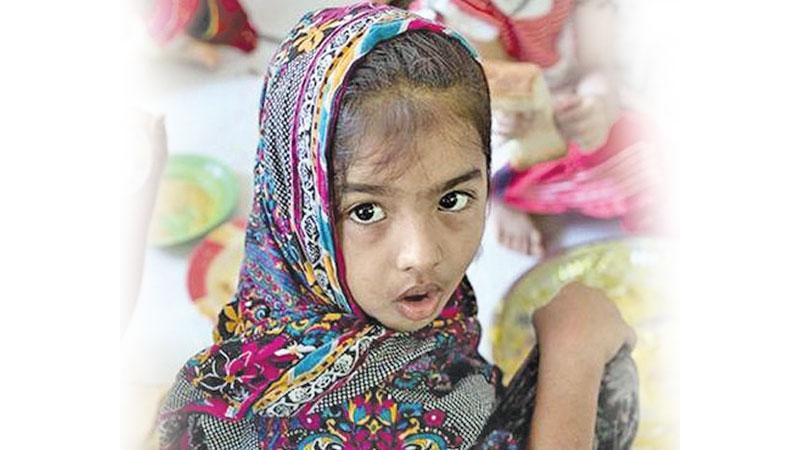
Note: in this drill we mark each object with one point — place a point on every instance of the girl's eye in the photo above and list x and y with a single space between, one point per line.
367 213
454 201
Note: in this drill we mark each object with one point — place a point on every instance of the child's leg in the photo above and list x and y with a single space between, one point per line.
516 230
617 409
537 234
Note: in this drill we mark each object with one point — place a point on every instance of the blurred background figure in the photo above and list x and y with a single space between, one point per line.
144 161
144 158
608 171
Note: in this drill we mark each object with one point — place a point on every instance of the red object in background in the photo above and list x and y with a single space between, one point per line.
209 289
221 22
169 18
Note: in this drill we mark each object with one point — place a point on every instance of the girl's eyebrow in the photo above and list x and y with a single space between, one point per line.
384 191
468 176
365 189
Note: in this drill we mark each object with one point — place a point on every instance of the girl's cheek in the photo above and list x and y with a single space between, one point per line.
362 235
466 222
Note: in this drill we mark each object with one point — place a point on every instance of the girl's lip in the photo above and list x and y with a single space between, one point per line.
418 290
421 309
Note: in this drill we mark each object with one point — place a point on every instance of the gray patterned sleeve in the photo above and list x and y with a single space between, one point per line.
617 409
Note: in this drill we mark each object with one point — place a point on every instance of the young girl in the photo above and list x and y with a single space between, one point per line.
353 325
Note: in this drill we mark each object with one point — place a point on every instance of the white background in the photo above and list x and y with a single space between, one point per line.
727 94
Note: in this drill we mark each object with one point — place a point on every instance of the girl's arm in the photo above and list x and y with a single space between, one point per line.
578 332
565 405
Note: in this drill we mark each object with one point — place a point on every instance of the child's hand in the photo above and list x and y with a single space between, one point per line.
583 119
508 125
582 323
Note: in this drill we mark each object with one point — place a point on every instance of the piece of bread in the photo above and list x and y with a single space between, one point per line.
514 85
517 87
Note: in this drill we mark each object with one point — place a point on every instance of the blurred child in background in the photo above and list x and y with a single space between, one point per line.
608 171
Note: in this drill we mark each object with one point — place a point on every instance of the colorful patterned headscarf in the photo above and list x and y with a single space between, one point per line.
296 363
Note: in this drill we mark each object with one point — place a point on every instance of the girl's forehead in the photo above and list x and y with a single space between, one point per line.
420 162
385 139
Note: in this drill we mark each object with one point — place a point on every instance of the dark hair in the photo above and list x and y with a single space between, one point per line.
405 84
404 4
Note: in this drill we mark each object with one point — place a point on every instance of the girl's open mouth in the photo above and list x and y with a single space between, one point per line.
419 304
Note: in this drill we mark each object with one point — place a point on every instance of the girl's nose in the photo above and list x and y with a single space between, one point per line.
419 247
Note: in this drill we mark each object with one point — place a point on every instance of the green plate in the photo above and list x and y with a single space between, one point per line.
196 194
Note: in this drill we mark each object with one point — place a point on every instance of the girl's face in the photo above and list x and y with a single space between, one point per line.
409 231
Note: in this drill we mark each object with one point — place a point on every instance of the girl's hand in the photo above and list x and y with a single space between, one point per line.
583 119
582 324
